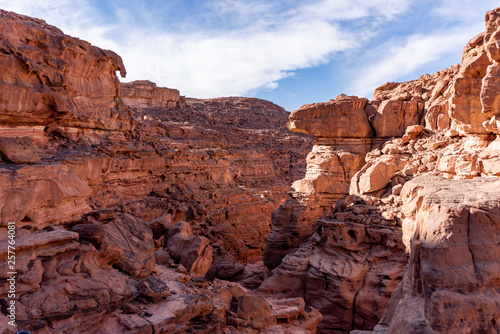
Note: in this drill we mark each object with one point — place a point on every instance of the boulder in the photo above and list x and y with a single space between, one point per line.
256 310
135 238
376 174
193 252
18 150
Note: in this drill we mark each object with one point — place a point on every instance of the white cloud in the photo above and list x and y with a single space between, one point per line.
266 42
398 61
398 58
465 11
232 64
355 9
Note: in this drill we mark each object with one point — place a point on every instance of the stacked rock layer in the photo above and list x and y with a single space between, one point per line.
347 256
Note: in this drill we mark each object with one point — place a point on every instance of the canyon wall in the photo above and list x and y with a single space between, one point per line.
344 239
125 195
143 211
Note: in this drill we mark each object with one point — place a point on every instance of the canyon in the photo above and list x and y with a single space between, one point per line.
139 210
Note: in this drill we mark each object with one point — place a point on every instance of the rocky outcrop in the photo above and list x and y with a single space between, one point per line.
66 80
442 124
451 283
122 201
145 94
18 150
347 270
346 129
193 252
343 134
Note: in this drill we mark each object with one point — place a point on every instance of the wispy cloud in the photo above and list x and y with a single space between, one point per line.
229 47
391 62
462 11
451 24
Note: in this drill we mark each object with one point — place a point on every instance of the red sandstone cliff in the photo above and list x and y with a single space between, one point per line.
346 255
124 196
134 206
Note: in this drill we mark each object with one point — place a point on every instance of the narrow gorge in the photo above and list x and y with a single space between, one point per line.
135 209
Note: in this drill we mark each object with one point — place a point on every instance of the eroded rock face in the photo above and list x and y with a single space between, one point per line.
134 240
41 195
145 94
18 150
452 278
343 117
95 188
64 79
57 276
346 129
348 268
337 155
441 124
193 252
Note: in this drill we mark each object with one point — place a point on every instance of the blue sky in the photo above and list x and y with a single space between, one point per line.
290 52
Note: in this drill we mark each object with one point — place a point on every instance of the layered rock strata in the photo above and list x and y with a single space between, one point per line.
146 94
121 201
451 284
441 124
63 80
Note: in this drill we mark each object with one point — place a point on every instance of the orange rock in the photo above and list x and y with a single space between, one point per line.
145 94
135 239
18 150
453 249
193 252
62 79
376 174
394 116
343 117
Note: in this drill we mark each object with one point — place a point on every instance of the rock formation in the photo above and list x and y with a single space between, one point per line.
63 80
123 195
329 248
452 278
145 94
143 211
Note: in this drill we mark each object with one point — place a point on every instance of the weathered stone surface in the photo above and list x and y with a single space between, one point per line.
60 79
145 94
40 195
347 271
376 174
411 133
394 116
330 166
343 117
256 310
452 277
18 150
193 252
465 102
135 241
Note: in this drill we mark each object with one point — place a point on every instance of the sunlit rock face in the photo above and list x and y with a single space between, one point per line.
125 196
452 279
322 242
147 212
48 76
